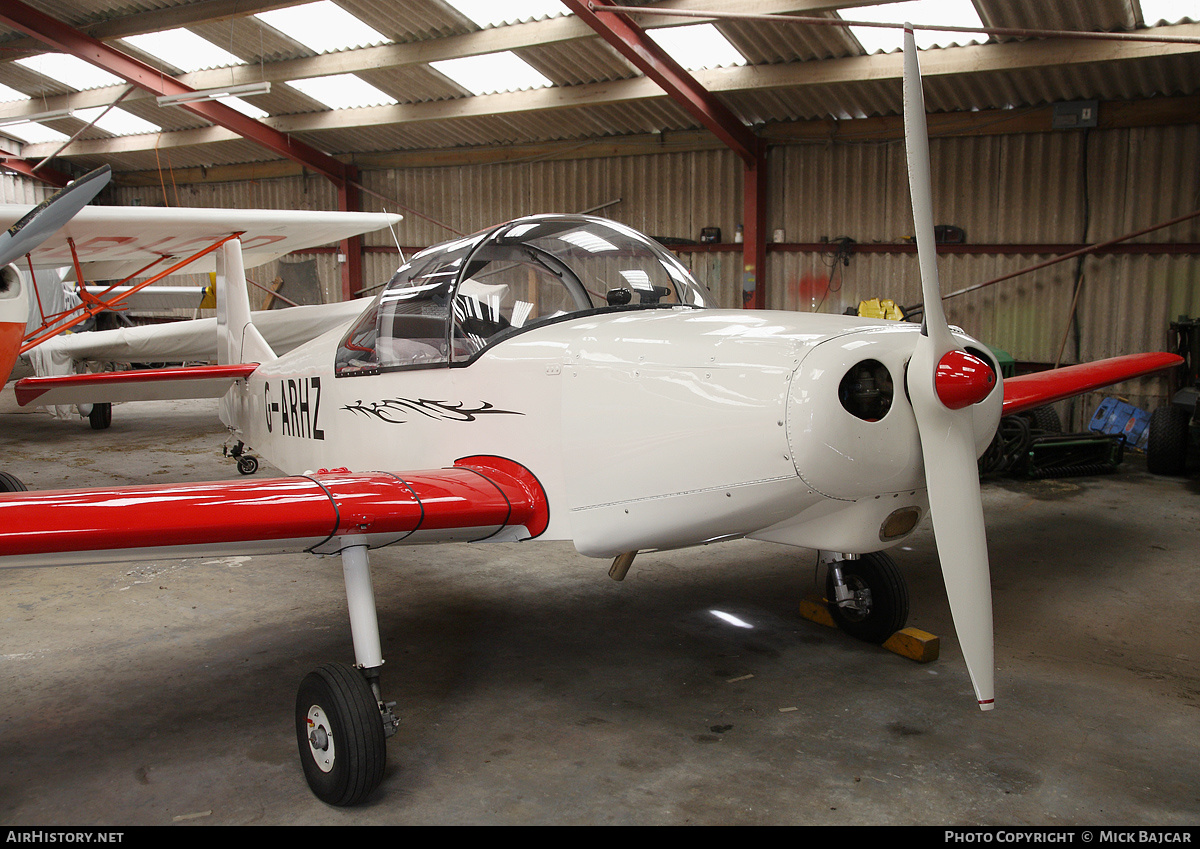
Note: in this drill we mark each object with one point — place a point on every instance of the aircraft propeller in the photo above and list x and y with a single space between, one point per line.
944 381
45 219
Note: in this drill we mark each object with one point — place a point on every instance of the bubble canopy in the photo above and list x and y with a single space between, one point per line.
451 301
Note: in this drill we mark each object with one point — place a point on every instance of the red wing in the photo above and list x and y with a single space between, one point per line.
159 384
479 498
1045 387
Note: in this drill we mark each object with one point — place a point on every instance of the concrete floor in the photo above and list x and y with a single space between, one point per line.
534 690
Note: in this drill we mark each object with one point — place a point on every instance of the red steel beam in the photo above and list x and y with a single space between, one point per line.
632 42
66 39
25 168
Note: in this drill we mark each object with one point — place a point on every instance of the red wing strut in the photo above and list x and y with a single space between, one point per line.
1045 387
479 498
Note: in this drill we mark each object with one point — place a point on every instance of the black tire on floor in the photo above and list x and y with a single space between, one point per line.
888 609
101 416
10 483
340 734
1166 448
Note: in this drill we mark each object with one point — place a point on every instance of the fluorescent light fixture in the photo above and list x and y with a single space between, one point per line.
214 93
698 46
71 71
493 13
941 12
322 27
184 49
492 73
343 91
116 121
37 116
32 133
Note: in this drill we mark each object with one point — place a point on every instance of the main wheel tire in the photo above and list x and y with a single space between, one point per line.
10 483
101 416
340 734
887 611
1166 447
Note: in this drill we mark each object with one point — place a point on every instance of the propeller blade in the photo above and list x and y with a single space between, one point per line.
45 219
943 382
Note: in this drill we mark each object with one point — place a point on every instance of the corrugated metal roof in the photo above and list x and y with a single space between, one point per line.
582 59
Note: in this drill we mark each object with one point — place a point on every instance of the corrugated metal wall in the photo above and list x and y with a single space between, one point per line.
1047 188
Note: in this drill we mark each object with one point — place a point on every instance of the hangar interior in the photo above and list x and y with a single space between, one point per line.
532 689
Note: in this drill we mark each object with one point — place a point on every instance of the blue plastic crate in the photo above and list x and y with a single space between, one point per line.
1120 418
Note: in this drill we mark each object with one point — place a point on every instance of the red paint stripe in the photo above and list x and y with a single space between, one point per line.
29 389
1045 387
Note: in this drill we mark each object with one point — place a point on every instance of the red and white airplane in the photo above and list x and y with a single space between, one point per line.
562 378
147 243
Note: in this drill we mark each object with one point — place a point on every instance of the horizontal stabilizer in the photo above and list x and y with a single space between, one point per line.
158 384
478 499
1045 387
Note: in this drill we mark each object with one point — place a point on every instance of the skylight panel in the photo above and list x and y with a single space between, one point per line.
1171 11
117 121
343 91
940 12
492 73
69 70
183 49
493 13
7 94
323 27
698 46
32 132
246 108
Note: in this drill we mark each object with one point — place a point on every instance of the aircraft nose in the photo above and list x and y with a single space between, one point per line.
963 379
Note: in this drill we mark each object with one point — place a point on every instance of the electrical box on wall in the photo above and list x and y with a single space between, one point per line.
1075 115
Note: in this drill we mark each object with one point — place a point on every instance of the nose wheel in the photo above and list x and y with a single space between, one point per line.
868 596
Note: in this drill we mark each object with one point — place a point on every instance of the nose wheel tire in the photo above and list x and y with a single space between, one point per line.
880 606
340 733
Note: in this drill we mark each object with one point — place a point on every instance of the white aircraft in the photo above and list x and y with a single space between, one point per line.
149 243
561 378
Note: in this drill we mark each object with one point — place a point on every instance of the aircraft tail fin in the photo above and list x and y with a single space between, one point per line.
238 340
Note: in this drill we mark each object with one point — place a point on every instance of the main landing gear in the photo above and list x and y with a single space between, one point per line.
867 594
342 722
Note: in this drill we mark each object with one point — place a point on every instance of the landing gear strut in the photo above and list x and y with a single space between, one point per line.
867 595
342 723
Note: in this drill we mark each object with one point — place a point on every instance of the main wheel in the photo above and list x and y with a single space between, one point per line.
10 483
1166 447
881 594
101 416
340 734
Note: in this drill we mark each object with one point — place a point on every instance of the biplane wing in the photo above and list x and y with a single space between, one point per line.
113 242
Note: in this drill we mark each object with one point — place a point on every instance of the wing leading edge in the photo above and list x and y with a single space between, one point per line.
1045 387
478 499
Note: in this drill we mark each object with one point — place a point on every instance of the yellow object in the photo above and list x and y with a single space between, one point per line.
877 308
912 643
209 301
